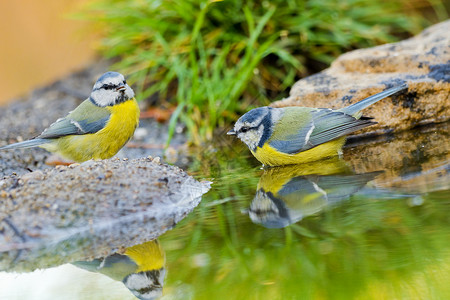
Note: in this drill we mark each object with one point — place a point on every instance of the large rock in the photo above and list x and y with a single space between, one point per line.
89 210
422 61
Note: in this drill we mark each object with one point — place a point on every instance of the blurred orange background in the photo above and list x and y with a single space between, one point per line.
40 43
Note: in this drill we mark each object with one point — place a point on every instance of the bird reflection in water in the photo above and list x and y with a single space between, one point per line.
140 268
287 194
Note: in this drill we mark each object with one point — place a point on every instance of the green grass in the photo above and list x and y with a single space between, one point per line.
216 59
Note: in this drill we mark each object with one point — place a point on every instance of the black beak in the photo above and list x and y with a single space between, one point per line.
231 132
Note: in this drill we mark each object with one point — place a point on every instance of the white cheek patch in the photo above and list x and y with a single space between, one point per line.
104 97
143 287
260 133
137 281
252 138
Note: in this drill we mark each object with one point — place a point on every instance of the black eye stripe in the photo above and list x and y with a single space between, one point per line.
111 86
247 128
108 86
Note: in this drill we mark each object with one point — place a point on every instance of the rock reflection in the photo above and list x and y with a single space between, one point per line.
141 268
287 194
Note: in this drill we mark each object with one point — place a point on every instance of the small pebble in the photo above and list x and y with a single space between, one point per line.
108 174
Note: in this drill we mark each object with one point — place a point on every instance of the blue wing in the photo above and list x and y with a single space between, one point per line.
86 118
330 124
67 126
309 128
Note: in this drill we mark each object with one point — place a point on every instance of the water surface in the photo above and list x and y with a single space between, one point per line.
373 225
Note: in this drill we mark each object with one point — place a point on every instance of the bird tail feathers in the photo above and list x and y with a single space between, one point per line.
25 144
358 106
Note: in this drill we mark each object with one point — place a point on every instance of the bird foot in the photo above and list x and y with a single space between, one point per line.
56 160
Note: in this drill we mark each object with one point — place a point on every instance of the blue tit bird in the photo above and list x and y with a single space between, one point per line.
288 194
141 268
295 135
97 129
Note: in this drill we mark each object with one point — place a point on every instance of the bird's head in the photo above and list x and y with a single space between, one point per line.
146 285
111 89
255 127
269 211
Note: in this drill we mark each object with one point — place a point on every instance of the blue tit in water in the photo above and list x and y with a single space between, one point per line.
141 268
98 128
294 135
287 194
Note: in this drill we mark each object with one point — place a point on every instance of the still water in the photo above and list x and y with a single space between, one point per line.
372 225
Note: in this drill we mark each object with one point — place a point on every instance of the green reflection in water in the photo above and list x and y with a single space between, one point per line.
374 242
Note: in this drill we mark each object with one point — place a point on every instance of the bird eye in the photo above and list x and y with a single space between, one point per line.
244 129
124 81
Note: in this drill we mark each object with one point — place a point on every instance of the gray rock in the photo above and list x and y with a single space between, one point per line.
91 209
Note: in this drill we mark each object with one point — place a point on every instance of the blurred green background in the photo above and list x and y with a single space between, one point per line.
209 60
213 60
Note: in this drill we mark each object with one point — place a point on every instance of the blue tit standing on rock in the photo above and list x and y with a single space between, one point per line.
141 268
294 135
98 128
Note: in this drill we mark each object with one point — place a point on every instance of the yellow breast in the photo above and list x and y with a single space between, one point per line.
148 256
106 142
270 156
